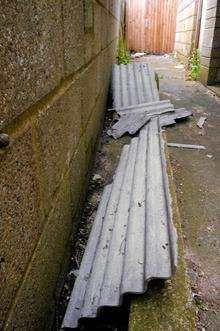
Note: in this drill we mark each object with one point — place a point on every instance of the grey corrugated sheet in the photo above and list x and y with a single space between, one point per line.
146 107
133 239
168 119
133 84
136 99
134 121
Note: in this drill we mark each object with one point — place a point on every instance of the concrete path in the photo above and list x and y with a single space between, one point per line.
197 181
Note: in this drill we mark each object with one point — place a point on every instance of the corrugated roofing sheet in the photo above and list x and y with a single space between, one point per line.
134 121
133 84
136 99
133 239
146 107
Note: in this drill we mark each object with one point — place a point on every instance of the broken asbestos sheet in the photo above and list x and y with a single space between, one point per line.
132 121
133 239
136 100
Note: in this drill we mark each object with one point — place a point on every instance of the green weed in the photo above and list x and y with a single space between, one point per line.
194 65
123 53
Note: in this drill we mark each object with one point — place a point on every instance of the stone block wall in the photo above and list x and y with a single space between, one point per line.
210 43
198 25
55 65
185 28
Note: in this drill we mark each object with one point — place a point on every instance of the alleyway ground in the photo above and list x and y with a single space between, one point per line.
197 183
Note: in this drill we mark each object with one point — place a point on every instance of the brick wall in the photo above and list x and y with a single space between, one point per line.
210 43
55 62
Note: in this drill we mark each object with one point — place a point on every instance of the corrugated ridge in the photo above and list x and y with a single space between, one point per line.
77 297
95 282
146 107
134 260
133 84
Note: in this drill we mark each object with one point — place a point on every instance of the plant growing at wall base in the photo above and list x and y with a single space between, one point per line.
194 65
123 54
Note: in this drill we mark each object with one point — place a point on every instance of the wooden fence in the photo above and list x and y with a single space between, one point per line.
151 25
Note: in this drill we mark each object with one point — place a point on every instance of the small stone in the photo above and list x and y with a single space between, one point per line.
97 177
209 156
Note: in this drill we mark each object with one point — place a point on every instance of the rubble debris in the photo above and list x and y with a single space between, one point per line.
169 119
96 177
138 54
133 122
186 146
135 92
179 66
201 122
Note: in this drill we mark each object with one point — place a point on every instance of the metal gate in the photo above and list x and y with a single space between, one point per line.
151 25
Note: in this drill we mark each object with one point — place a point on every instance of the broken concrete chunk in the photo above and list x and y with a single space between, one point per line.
185 146
138 54
96 177
201 122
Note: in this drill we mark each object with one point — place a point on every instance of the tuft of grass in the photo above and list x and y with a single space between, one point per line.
200 303
194 65
123 53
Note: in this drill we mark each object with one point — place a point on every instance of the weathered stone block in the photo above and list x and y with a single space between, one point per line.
105 3
58 133
78 175
20 213
97 29
34 305
89 29
93 30
105 28
94 126
73 23
88 83
31 56
114 8
104 70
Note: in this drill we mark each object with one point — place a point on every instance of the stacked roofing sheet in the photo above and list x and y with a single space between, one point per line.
133 238
136 100
133 84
